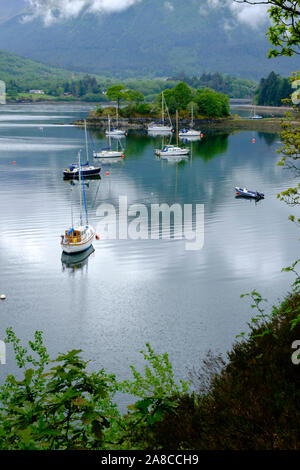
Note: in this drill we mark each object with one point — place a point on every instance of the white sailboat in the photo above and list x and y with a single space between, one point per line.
189 131
115 131
173 150
253 114
78 238
108 152
160 127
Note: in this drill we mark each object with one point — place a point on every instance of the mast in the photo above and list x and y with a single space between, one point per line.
72 219
162 108
177 127
86 142
109 136
79 169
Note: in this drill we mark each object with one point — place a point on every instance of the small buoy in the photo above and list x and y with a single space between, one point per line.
97 237
123 156
201 135
14 163
107 173
2 297
173 130
253 141
126 133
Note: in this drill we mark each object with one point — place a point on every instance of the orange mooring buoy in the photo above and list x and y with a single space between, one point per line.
253 141
107 173
123 156
201 135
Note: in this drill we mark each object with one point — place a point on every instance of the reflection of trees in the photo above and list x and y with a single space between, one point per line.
268 137
134 145
210 146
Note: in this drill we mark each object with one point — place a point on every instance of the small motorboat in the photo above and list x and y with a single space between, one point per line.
172 150
188 132
86 170
244 192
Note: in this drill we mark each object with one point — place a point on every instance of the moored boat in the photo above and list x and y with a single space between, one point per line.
172 150
108 152
86 170
244 192
157 128
78 238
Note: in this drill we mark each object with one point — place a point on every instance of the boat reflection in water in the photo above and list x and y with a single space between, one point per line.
189 138
77 261
111 160
174 158
86 178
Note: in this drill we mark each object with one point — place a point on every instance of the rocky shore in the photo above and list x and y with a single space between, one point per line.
230 124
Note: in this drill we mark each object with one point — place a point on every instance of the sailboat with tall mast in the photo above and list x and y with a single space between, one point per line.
78 238
173 150
108 152
189 131
115 131
86 169
160 127
253 114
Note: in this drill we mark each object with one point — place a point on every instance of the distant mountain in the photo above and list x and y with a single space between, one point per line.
151 38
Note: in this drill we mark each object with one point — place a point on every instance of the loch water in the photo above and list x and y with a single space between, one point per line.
129 292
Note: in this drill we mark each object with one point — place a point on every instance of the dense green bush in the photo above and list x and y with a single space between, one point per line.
253 402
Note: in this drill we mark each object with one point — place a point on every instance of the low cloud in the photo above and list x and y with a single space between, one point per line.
52 10
252 15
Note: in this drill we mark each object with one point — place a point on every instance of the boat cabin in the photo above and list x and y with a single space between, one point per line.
73 236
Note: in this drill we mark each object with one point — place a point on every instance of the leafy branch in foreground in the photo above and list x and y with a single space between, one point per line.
61 405
284 32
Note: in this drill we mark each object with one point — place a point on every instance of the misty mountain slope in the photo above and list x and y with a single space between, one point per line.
152 37
13 67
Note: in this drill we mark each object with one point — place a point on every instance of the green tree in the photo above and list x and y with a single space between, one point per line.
182 95
117 93
284 32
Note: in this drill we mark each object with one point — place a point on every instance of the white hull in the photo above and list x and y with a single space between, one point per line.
190 133
115 133
175 151
72 248
159 129
108 154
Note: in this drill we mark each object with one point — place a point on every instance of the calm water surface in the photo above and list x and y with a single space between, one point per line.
130 292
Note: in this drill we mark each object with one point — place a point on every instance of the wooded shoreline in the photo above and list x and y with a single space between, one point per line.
230 124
